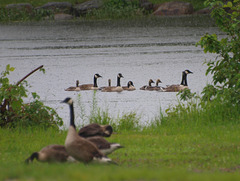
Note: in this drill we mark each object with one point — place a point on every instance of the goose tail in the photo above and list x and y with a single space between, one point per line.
31 158
104 159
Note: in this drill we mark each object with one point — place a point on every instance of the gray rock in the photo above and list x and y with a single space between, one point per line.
58 7
174 8
83 8
203 11
27 7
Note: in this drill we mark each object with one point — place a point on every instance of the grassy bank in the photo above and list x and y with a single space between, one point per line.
190 143
182 153
197 4
111 9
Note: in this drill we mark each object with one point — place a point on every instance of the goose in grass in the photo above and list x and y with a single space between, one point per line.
77 88
95 129
117 88
129 87
103 145
51 153
93 86
78 147
178 87
149 86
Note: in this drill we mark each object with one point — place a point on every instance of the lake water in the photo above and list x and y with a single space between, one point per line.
72 51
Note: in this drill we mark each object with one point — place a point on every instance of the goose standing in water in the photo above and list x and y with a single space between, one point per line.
78 147
51 153
93 86
182 86
117 88
149 86
129 87
77 88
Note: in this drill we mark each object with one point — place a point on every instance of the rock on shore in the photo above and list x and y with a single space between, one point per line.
66 10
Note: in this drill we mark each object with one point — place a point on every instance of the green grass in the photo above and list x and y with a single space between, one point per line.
191 143
177 153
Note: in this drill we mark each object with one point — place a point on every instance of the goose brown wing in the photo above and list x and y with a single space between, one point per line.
90 130
100 142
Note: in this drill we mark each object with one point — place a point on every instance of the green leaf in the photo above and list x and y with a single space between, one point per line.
16 105
228 5
11 69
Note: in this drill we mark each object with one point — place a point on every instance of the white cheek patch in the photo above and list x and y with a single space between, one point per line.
70 101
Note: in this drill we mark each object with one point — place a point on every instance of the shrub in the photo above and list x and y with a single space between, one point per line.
14 112
116 9
226 67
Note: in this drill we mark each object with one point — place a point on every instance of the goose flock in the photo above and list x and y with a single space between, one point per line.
88 144
130 86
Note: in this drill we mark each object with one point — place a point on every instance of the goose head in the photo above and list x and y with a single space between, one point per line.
68 101
97 76
188 72
120 75
130 83
158 81
150 82
107 130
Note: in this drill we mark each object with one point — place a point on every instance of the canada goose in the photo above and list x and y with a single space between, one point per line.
157 88
149 87
117 88
93 86
103 145
51 153
129 87
78 147
177 87
109 84
95 129
77 88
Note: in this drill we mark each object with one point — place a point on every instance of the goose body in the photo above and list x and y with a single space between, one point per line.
95 129
117 88
78 147
103 145
77 88
149 86
93 86
179 87
51 153
129 87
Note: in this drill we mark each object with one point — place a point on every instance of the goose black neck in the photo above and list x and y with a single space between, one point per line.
72 116
150 84
118 81
34 155
94 82
183 78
